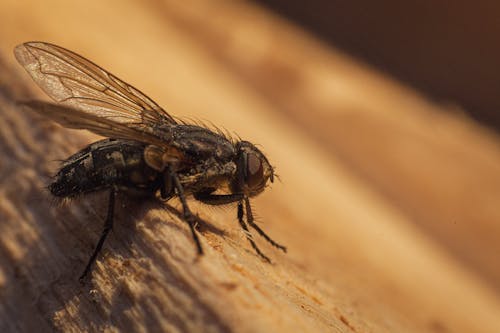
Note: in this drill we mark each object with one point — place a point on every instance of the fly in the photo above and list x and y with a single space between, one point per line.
147 150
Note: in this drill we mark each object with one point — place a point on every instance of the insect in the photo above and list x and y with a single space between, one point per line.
147 151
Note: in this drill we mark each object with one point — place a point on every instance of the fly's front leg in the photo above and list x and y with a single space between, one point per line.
108 225
222 199
259 230
217 199
188 216
248 234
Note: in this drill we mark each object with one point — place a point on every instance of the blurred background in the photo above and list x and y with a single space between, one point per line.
381 118
447 49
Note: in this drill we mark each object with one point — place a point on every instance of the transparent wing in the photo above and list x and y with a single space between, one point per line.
73 118
92 95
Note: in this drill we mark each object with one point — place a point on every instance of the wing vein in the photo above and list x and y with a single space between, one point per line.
92 98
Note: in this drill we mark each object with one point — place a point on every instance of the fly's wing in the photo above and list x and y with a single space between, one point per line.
91 98
74 118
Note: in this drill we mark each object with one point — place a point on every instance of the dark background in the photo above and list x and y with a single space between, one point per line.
447 49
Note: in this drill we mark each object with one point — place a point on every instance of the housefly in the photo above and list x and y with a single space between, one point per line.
147 151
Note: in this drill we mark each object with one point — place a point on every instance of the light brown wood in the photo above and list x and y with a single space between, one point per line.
388 203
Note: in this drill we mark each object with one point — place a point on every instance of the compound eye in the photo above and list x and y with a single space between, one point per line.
255 171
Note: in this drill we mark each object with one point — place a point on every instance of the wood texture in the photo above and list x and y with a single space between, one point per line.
387 203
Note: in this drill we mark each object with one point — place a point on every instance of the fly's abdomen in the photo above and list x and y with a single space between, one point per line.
105 164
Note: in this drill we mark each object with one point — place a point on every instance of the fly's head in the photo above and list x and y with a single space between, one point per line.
253 170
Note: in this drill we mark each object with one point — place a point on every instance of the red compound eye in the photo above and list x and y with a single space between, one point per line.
255 171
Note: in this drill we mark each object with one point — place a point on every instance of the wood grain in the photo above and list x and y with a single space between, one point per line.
387 203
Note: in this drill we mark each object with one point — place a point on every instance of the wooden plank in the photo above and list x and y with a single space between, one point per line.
442 170
357 262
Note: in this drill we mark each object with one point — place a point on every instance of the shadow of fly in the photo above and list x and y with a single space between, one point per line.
147 152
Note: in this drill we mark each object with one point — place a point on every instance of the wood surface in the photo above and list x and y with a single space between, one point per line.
387 202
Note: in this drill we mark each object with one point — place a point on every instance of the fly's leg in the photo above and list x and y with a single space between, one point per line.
188 216
108 225
222 199
258 229
166 187
217 199
248 234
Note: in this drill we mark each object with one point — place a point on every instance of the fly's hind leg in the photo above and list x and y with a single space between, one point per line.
108 225
188 215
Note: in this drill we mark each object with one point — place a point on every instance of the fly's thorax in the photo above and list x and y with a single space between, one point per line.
253 170
200 143
209 173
